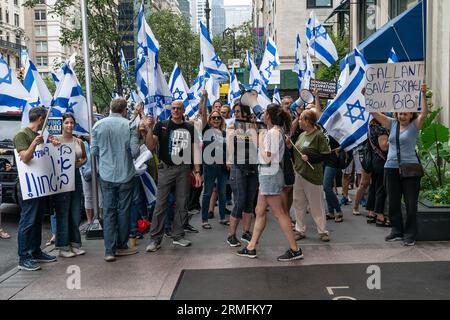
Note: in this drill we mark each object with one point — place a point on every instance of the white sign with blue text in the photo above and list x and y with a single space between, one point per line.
394 87
51 171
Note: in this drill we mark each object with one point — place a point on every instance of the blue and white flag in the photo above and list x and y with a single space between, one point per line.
276 96
393 58
69 97
319 42
56 76
178 86
195 93
149 187
269 62
124 64
343 77
263 100
39 93
212 87
309 74
345 118
299 63
211 61
255 81
13 96
235 91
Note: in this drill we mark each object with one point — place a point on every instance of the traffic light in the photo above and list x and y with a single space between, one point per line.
22 73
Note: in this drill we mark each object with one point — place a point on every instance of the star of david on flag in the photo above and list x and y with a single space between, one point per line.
320 44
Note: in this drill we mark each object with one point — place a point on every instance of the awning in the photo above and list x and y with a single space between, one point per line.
343 7
407 27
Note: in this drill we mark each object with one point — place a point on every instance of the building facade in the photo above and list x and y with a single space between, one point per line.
218 17
236 15
12 34
185 9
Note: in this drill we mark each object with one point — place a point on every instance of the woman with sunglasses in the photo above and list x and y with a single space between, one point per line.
214 161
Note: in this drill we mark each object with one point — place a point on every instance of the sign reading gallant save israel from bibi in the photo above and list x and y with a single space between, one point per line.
394 87
51 171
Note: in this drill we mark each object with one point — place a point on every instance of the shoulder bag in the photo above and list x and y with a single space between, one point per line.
407 170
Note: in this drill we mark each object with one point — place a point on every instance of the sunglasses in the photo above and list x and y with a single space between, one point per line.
216 118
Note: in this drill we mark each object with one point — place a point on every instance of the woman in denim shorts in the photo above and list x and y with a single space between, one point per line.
271 184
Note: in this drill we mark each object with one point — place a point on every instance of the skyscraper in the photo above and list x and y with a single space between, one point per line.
218 17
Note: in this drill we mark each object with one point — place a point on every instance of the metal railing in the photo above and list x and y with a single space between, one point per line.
10 45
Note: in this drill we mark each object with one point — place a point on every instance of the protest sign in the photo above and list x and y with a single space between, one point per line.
54 126
51 171
327 89
394 87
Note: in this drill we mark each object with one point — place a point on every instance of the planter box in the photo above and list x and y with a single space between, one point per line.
433 222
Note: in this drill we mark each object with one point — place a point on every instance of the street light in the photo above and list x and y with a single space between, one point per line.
207 11
231 33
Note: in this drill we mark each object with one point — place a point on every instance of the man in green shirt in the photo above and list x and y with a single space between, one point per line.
30 225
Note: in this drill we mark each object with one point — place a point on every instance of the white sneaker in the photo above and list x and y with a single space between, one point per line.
66 254
77 251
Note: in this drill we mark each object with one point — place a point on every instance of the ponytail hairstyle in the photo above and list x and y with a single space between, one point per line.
279 116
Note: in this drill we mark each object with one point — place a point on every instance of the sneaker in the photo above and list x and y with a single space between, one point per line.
126 252
44 257
409 243
182 242
29 265
233 241
393 237
246 236
168 234
324 237
299 235
109 258
356 212
244 252
153 246
291 255
77 251
66 254
189 228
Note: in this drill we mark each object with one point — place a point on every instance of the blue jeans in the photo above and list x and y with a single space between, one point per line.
332 201
137 205
68 216
211 173
53 223
29 233
116 214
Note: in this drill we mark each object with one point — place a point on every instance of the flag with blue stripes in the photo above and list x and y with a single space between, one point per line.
270 61
343 77
149 187
13 95
255 81
39 93
124 65
345 118
195 92
235 91
309 74
178 86
393 58
211 60
69 97
299 63
276 96
319 42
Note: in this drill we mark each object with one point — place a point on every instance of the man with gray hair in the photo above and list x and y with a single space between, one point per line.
116 145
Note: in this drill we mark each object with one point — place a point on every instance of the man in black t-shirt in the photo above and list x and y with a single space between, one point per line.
175 138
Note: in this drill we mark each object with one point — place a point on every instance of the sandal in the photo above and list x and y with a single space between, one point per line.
371 219
4 234
206 225
339 218
50 243
225 222
330 216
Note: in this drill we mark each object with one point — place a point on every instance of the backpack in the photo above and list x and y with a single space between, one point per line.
366 157
344 159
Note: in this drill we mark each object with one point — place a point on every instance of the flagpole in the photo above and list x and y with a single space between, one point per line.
87 71
424 42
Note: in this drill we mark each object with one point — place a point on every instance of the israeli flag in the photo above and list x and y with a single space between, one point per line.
13 96
276 96
56 76
124 64
178 86
255 81
309 73
149 187
39 93
343 77
299 63
234 92
269 62
393 58
134 96
211 61
319 42
345 118
195 93
69 97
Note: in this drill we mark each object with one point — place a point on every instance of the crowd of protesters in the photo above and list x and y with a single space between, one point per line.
284 161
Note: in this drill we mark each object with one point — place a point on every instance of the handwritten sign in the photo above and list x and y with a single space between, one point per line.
394 87
327 89
51 171
54 126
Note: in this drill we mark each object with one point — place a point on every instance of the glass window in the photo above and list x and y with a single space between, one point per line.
41 46
7 16
16 2
40 15
1 14
16 20
368 18
40 31
319 4
396 7
42 61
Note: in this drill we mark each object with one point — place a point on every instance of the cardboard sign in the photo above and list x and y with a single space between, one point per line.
51 171
394 87
327 89
54 126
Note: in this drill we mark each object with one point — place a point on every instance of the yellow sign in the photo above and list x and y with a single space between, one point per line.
224 88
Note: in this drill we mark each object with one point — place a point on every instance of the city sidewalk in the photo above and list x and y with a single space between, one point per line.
155 275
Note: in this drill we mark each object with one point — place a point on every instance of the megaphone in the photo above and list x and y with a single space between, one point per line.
305 98
250 98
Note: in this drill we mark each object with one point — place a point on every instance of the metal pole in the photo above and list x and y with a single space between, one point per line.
207 11
87 71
